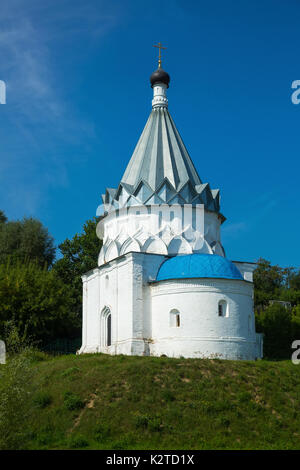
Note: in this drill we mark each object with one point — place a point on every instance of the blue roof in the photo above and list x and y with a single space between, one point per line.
198 265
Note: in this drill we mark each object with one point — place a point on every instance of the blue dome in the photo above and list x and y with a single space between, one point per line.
198 265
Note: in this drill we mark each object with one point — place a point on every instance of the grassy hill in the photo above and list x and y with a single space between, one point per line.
119 402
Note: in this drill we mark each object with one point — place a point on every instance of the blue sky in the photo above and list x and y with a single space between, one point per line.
78 97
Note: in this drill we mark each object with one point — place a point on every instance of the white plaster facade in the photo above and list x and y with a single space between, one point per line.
161 210
202 331
141 312
121 286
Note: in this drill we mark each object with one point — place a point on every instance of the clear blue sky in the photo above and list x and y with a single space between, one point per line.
78 97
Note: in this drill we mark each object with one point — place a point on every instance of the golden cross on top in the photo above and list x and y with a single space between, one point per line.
160 47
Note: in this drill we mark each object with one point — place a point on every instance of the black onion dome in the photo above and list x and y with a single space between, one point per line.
160 76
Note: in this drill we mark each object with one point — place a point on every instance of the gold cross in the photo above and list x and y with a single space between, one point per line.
159 55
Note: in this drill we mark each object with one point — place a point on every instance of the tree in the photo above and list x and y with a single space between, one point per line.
26 239
295 280
267 280
3 217
276 324
296 322
279 323
79 255
36 301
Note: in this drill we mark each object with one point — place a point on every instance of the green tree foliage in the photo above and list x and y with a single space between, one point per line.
43 300
79 255
3 217
275 283
279 323
268 280
15 342
295 319
25 239
276 324
294 281
36 300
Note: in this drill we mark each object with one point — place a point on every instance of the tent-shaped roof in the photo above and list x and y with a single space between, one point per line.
160 154
160 170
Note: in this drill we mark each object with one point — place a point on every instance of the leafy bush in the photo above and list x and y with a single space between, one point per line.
102 432
141 421
44 438
42 399
36 301
15 401
125 442
78 442
153 423
14 341
280 324
276 324
72 401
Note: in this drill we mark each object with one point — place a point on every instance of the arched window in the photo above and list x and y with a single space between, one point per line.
174 318
105 328
222 308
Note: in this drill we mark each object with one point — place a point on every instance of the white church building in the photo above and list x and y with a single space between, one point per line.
163 285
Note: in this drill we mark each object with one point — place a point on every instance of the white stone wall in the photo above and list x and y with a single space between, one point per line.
202 332
122 287
140 312
90 331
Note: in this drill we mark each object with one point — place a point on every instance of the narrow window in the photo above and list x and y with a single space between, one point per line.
159 219
108 334
174 318
222 308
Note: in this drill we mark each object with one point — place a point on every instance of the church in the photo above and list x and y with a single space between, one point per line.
163 285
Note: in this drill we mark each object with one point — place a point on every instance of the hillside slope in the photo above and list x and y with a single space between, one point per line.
106 402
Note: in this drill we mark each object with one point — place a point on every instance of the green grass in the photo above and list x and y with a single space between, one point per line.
118 402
